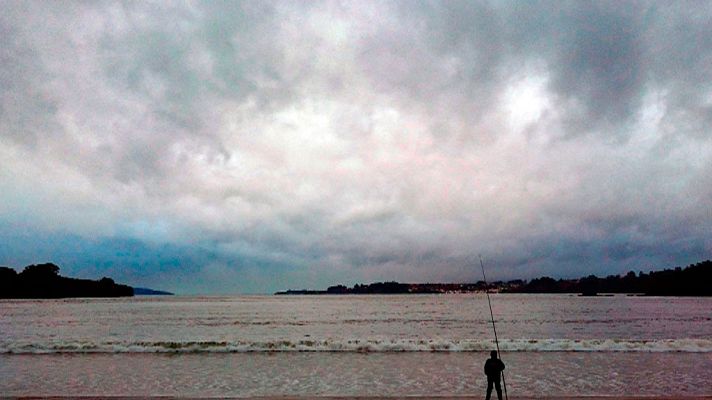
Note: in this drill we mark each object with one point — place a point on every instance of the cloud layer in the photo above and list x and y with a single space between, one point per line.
256 146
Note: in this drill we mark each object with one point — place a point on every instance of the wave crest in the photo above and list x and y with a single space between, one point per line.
364 346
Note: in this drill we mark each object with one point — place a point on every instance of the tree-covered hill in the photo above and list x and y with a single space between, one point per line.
43 281
694 280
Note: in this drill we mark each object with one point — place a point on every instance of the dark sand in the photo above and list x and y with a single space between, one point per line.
362 398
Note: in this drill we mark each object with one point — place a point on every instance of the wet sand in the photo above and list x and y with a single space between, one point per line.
358 398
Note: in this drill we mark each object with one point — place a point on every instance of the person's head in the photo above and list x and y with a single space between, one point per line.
493 354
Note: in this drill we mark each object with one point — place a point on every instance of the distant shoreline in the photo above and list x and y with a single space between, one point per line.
690 281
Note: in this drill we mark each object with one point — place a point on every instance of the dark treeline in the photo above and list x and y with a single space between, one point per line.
43 281
375 288
693 280
407 288
415 288
690 281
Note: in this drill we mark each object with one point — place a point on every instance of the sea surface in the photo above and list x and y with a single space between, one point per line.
391 345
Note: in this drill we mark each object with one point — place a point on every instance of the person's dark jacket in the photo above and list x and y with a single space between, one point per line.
493 369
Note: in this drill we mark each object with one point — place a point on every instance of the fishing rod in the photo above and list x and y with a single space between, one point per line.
494 328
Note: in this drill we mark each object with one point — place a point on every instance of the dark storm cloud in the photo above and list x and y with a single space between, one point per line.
276 143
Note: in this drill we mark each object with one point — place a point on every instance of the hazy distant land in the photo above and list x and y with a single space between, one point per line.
690 281
138 291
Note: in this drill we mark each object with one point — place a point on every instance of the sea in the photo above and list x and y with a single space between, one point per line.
355 345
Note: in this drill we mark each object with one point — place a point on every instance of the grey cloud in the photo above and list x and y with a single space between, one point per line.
600 63
21 88
601 58
363 140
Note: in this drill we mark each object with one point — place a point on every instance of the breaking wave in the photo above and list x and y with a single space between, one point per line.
363 346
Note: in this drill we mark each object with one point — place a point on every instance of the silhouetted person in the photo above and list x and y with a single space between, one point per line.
493 370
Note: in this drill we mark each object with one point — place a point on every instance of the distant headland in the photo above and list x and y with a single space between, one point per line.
42 281
690 281
139 291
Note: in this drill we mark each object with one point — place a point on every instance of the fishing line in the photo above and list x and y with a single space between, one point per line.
494 328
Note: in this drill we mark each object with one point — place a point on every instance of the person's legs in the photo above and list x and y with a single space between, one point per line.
489 389
499 390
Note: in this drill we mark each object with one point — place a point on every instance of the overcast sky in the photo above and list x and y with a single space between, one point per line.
252 147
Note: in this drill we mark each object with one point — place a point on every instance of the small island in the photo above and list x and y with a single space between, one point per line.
690 281
42 281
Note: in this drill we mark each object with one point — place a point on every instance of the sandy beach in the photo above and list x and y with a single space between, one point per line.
362 398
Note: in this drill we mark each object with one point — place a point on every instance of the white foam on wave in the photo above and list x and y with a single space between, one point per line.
365 346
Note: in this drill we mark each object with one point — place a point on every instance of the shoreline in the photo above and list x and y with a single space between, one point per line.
353 376
473 397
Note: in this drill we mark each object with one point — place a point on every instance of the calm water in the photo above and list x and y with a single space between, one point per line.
354 345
